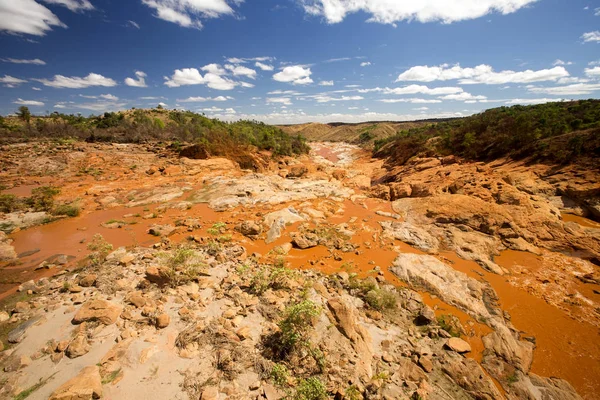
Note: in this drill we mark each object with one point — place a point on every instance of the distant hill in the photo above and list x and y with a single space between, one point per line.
352 133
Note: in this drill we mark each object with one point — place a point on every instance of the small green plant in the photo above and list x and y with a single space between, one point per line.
183 266
297 324
352 393
42 198
70 210
217 229
311 389
30 390
65 287
9 203
268 277
100 248
450 324
280 375
111 377
511 379
381 299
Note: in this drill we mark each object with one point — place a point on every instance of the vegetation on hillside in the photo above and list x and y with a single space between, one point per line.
555 132
217 137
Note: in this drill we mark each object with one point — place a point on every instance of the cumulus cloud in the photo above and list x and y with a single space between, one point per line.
296 74
73 5
464 96
593 72
239 70
204 99
591 37
481 74
188 13
75 82
11 81
391 12
279 100
191 76
139 82
561 62
415 89
365 64
27 17
413 101
575 89
326 83
29 103
532 101
35 61
264 67
327 99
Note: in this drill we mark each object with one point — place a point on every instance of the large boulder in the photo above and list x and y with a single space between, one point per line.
86 385
98 310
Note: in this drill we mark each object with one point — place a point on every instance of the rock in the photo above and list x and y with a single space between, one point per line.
195 152
127 259
411 234
458 345
250 229
380 192
88 280
161 230
278 220
271 393
426 363
21 307
162 321
283 249
17 363
210 393
399 191
297 171
4 316
305 241
339 174
86 385
98 310
409 371
426 316
469 375
78 347
136 299
17 334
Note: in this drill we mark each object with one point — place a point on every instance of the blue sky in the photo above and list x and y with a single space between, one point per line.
293 61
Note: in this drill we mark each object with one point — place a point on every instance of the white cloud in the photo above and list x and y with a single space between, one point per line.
532 101
109 97
413 101
37 89
561 62
392 11
415 89
279 100
365 64
204 99
264 67
191 76
421 109
481 74
575 89
187 13
35 61
133 24
597 12
214 69
246 85
286 92
11 81
239 70
73 5
464 96
27 17
29 103
593 72
297 74
139 82
331 60
591 37
92 79
326 83
60 106
100 106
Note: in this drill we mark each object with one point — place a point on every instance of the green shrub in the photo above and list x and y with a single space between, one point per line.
9 203
42 198
297 324
280 375
100 249
70 210
311 389
183 266
268 277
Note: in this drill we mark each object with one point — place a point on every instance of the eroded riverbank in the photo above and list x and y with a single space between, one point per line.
318 213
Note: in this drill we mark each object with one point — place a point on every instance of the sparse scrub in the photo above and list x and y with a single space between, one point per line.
450 324
70 210
9 203
280 375
183 266
297 323
380 299
100 248
310 389
270 277
42 198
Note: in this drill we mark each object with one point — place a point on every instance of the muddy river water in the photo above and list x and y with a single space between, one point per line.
566 348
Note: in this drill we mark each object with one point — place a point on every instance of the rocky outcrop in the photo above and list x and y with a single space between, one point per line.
99 310
86 385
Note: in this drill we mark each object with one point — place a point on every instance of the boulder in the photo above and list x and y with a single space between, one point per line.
380 192
409 371
399 190
469 375
306 241
458 345
78 347
98 310
162 321
88 280
297 171
250 229
86 385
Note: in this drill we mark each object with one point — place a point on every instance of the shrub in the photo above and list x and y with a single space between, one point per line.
69 210
297 324
183 266
100 249
275 278
42 198
311 389
280 375
9 203
381 299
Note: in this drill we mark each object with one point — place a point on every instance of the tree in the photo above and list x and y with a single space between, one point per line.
24 114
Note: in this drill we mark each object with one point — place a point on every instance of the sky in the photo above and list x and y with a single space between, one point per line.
296 61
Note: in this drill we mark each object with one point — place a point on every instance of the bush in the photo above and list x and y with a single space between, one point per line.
183 266
381 299
69 210
42 198
297 324
9 203
311 389
100 249
275 277
280 375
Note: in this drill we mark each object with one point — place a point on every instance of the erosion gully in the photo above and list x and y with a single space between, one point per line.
565 347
